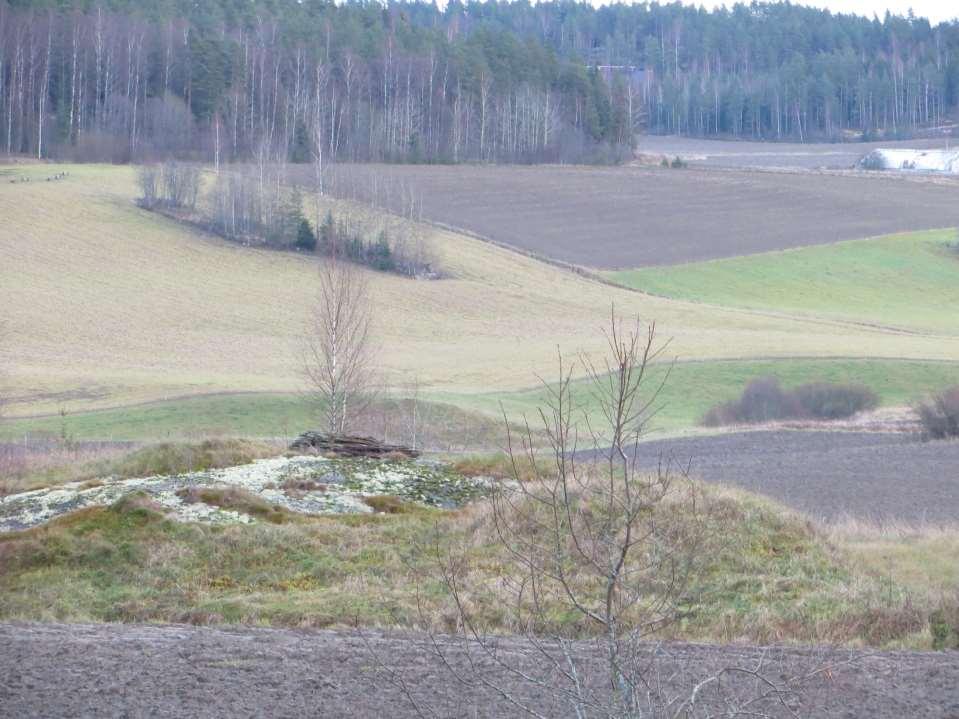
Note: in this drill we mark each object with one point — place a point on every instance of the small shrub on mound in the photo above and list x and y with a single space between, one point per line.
940 415
764 400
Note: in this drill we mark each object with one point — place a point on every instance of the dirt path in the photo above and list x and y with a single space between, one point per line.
56 670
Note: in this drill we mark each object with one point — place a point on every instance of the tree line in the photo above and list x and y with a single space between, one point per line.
260 206
479 81
357 81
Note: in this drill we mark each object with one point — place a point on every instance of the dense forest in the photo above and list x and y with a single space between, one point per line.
563 81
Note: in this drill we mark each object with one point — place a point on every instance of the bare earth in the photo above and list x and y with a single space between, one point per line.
874 476
624 217
57 670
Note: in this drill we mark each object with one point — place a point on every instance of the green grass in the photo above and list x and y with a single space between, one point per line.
64 465
695 387
692 389
908 281
242 415
769 575
264 415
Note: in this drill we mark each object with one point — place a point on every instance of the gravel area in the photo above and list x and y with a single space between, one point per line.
882 477
56 670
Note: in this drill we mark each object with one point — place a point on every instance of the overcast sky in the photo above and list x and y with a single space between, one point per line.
935 10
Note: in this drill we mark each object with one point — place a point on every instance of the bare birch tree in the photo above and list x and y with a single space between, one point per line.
339 349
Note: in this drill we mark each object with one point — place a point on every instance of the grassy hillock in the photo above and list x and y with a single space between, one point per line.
770 575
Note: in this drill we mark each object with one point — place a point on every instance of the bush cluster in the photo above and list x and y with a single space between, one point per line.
765 400
940 415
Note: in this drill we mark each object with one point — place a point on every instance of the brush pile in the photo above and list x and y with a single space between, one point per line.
346 446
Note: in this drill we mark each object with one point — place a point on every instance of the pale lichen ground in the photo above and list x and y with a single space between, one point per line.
304 484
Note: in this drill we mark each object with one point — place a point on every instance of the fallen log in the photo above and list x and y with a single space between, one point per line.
347 446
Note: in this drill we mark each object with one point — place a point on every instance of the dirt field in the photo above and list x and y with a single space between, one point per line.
810 156
626 217
56 670
879 477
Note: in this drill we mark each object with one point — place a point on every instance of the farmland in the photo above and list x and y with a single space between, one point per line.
873 477
288 673
627 217
130 327
903 281
382 359
693 388
103 306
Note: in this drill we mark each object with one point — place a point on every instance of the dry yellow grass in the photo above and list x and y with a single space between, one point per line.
107 304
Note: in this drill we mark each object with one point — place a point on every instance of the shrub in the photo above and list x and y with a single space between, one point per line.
873 161
944 625
940 415
764 400
823 400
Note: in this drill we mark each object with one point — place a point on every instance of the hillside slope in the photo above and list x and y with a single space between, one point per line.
107 304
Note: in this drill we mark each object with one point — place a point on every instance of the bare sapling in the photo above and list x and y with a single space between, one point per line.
597 554
339 350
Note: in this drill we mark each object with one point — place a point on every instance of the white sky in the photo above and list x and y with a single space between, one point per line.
935 10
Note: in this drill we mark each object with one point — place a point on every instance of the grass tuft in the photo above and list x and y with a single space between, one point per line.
170 458
239 500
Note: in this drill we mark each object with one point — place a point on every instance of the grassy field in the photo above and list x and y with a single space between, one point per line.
693 388
770 576
907 281
106 304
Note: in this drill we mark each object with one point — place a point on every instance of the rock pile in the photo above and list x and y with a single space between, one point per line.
346 446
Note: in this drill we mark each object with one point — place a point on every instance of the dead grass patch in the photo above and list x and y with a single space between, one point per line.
239 500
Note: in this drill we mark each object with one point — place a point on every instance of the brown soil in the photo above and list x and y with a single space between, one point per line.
623 217
56 670
830 475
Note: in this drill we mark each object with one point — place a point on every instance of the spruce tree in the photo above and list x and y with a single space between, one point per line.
305 238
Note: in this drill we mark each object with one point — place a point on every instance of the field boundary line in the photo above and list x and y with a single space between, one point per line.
10 419
593 275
